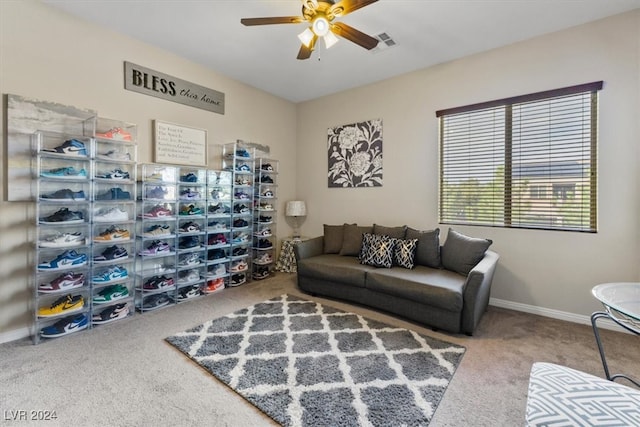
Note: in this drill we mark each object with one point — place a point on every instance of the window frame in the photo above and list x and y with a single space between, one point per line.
507 103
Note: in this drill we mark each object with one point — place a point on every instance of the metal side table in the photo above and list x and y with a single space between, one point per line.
622 305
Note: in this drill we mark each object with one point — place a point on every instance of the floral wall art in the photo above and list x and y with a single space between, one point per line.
355 154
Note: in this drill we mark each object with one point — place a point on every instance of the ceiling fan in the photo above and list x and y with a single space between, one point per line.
320 14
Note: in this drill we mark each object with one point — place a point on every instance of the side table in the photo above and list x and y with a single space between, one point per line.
287 259
622 305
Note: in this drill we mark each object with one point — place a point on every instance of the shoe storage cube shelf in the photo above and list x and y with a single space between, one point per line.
264 241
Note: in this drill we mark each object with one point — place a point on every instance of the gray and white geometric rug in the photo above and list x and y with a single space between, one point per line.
307 364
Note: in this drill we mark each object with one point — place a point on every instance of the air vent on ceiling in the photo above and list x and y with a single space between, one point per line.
384 42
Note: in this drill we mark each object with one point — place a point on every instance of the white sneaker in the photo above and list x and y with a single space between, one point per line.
62 240
190 276
110 215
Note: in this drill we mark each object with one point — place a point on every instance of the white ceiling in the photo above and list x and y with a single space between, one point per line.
427 32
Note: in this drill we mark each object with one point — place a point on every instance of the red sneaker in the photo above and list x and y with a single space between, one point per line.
214 285
115 133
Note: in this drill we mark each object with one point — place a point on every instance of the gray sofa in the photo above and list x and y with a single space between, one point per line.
446 287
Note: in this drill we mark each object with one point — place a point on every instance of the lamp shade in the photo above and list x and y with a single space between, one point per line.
296 208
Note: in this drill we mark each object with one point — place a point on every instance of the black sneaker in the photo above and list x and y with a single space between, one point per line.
154 301
215 254
189 242
240 223
64 215
266 179
264 218
238 279
110 254
239 251
265 243
109 314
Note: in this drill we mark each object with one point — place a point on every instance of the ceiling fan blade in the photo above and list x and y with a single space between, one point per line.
358 37
272 20
343 7
305 52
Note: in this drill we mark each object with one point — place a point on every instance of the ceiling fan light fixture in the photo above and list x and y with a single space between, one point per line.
306 37
330 39
320 26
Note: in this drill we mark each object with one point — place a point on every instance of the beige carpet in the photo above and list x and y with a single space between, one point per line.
125 374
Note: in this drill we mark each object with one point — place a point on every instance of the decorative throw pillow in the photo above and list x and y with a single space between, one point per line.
395 232
379 251
461 253
352 239
333 238
404 252
428 250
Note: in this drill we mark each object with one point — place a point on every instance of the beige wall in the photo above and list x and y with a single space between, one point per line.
48 55
544 270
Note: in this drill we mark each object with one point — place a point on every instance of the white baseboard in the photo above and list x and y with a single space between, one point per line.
556 314
16 334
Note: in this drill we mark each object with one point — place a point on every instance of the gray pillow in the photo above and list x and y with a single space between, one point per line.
395 232
428 249
461 253
333 238
352 239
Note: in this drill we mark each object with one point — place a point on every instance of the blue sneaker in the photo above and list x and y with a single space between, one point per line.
111 275
71 147
65 173
190 177
65 326
64 195
241 152
114 194
67 259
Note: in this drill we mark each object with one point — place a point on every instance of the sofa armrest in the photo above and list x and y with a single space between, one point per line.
477 290
309 248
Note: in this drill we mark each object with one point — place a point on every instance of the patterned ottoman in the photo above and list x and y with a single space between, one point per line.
560 396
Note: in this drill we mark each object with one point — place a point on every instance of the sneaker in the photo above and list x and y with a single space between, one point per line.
238 266
111 275
110 294
157 247
111 313
216 239
158 211
243 181
216 254
219 209
65 326
240 209
153 302
115 155
65 304
158 230
64 282
265 232
239 251
64 215
238 279
189 242
216 270
241 238
113 233
265 207
112 253
241 195
189 194
264 218
243 168
217 225
189 276
156 193
241 152
261 273
110 215
158 283
214 286
71 147
189 292
267 194
267 167
190 227
218 194
266 179
191 210
265 244
116 174
190 177
118 134
63 240
65 173
67 259
189 260
114 194
263 259
63 196
240 223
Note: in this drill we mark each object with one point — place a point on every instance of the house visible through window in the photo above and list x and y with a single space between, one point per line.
526 162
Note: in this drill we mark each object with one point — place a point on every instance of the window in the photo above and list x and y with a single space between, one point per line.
524 162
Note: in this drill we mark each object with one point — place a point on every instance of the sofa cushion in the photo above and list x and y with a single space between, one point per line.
461 253
428 249
333 238
404 252
352 239
430 286
334 268
395 232
377 250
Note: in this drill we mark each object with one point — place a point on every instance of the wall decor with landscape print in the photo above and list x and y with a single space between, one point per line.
355 155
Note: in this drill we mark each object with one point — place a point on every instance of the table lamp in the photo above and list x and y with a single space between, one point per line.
296 210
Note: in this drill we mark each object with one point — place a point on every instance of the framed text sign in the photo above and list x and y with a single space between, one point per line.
175 144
